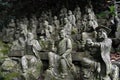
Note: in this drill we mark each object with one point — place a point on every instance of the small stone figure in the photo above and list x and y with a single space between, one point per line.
64 9
47 31
25 21
90 12
84 24
77 13
56 23
63 14
33 26
18 45
89 33
61 61
71 18
10 31
23 28
31 62
56 26
49 13
67 27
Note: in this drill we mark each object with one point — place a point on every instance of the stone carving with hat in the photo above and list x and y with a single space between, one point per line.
103 28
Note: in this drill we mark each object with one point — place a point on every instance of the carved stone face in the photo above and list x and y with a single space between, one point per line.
62 34
45 23
30 36
100 35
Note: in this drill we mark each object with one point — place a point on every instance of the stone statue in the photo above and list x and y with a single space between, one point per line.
77 13
19 45
89 33
67 27
60 63
64 9
71 18
43 43
31 63
56 26
56 23
84 24
63 14
23 28
49 13
101 54
47 31
90 12
10 31
33 26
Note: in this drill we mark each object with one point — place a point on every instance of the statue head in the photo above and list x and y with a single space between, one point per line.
45 23
30 36
69 12
12 21
55 17
90 27
62 34
102 32
77 8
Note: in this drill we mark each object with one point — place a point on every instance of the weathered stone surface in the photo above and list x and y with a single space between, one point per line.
16 53
76 56
8 64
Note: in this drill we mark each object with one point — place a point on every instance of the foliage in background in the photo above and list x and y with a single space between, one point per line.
112 10
105 14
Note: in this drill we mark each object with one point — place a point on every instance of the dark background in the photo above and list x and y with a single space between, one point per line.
19 8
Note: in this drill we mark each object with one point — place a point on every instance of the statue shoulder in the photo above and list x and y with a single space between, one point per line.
68 40
35 41
109 40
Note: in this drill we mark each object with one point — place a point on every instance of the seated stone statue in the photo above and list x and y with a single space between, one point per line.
47 31
67 27
71 18
18 46
31 63
77 13
60 63
34 25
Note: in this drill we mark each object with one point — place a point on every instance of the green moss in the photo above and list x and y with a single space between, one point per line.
74 31
4 48
10 76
